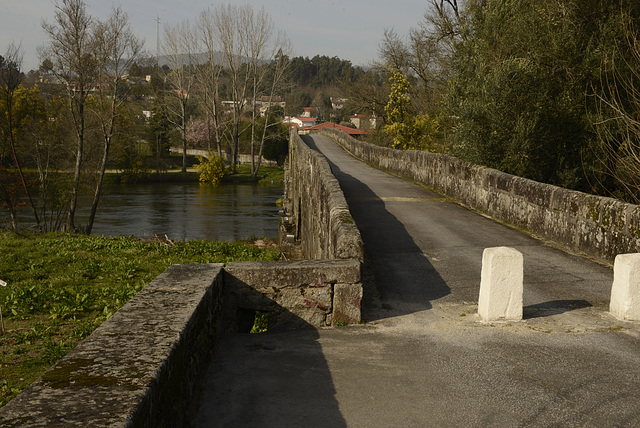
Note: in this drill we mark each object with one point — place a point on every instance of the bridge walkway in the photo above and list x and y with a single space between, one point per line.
423 358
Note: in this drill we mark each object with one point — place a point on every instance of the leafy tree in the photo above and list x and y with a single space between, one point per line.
10 81
520 72
276 139
408 130
399 112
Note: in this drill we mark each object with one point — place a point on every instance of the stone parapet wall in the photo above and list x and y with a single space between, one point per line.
141 367
596 226
317 214
145 365
298 293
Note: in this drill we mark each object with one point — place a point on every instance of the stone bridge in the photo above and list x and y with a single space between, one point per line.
399 260
243 159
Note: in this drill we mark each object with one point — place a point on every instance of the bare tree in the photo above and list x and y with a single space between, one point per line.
618 127
117 48
446 18
209 74
47 133
227 23
71 56
425 54
258 30
280 69
178 49
245 38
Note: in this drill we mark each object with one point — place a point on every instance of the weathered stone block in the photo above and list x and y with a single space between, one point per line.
625 291
285 274
501 285
293 291
347 302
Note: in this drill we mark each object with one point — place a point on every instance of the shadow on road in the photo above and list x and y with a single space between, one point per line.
405 279
555 307
279 378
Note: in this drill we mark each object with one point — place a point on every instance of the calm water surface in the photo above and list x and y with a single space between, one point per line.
185 211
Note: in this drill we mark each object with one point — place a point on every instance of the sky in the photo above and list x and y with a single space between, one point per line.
349 29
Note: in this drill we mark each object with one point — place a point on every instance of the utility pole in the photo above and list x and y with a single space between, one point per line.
157 43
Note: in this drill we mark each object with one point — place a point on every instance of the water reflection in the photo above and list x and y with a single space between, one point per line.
185 211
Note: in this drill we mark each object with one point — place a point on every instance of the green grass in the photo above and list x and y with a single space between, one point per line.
61 287
266 175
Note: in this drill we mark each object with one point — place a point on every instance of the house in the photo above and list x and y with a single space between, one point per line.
308 111
265 103
181 93
303 122
230 105
361 121
338 103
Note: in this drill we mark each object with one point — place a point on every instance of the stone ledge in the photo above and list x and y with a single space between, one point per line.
298 293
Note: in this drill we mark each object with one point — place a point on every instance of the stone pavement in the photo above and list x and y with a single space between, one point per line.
423 358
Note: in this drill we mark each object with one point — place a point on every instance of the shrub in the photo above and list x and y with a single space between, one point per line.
211 170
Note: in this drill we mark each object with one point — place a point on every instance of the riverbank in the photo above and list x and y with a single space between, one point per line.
61 287
266 176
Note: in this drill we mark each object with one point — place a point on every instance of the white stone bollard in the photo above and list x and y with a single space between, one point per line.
625 291
501 285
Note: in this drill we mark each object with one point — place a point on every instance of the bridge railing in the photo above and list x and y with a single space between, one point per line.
316 211
243 159
596 226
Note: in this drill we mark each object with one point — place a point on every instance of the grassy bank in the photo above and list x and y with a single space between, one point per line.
266 176
61 287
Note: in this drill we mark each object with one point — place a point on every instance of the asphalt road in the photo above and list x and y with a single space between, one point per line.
424 358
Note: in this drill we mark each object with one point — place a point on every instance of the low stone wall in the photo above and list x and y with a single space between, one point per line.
316 212
243 159
144 366
298 293
596 226
141 367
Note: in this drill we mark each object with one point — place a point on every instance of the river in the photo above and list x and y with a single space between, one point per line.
183 211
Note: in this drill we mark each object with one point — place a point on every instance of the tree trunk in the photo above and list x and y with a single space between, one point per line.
70 225
15 156
12 212
184 136
98 191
